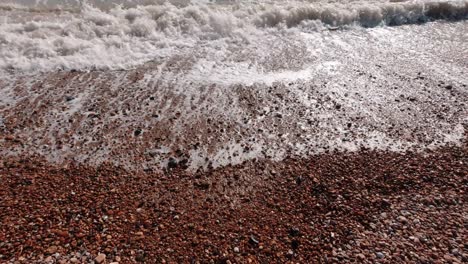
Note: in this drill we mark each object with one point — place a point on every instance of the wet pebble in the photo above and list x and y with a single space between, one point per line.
172 163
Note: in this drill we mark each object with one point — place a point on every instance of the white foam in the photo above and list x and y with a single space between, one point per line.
241 64
123 36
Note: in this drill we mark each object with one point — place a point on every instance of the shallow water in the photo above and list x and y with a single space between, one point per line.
220 83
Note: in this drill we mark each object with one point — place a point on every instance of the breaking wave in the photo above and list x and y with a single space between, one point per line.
51 35
367 15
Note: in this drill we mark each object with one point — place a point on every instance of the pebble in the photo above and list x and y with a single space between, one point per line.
380 255
100 258
253 240
299 180
172 163
137 132
402 219
295 244
236 250
140 257
448 257
294 231
74 260
52 249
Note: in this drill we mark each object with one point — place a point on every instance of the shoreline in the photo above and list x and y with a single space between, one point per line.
337 207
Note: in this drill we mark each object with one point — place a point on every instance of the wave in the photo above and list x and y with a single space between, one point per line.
75 5
367 15
338 13
45 37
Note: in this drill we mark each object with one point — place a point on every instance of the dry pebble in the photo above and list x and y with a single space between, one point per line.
100 258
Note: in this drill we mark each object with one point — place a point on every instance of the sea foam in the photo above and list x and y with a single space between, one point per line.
54 35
